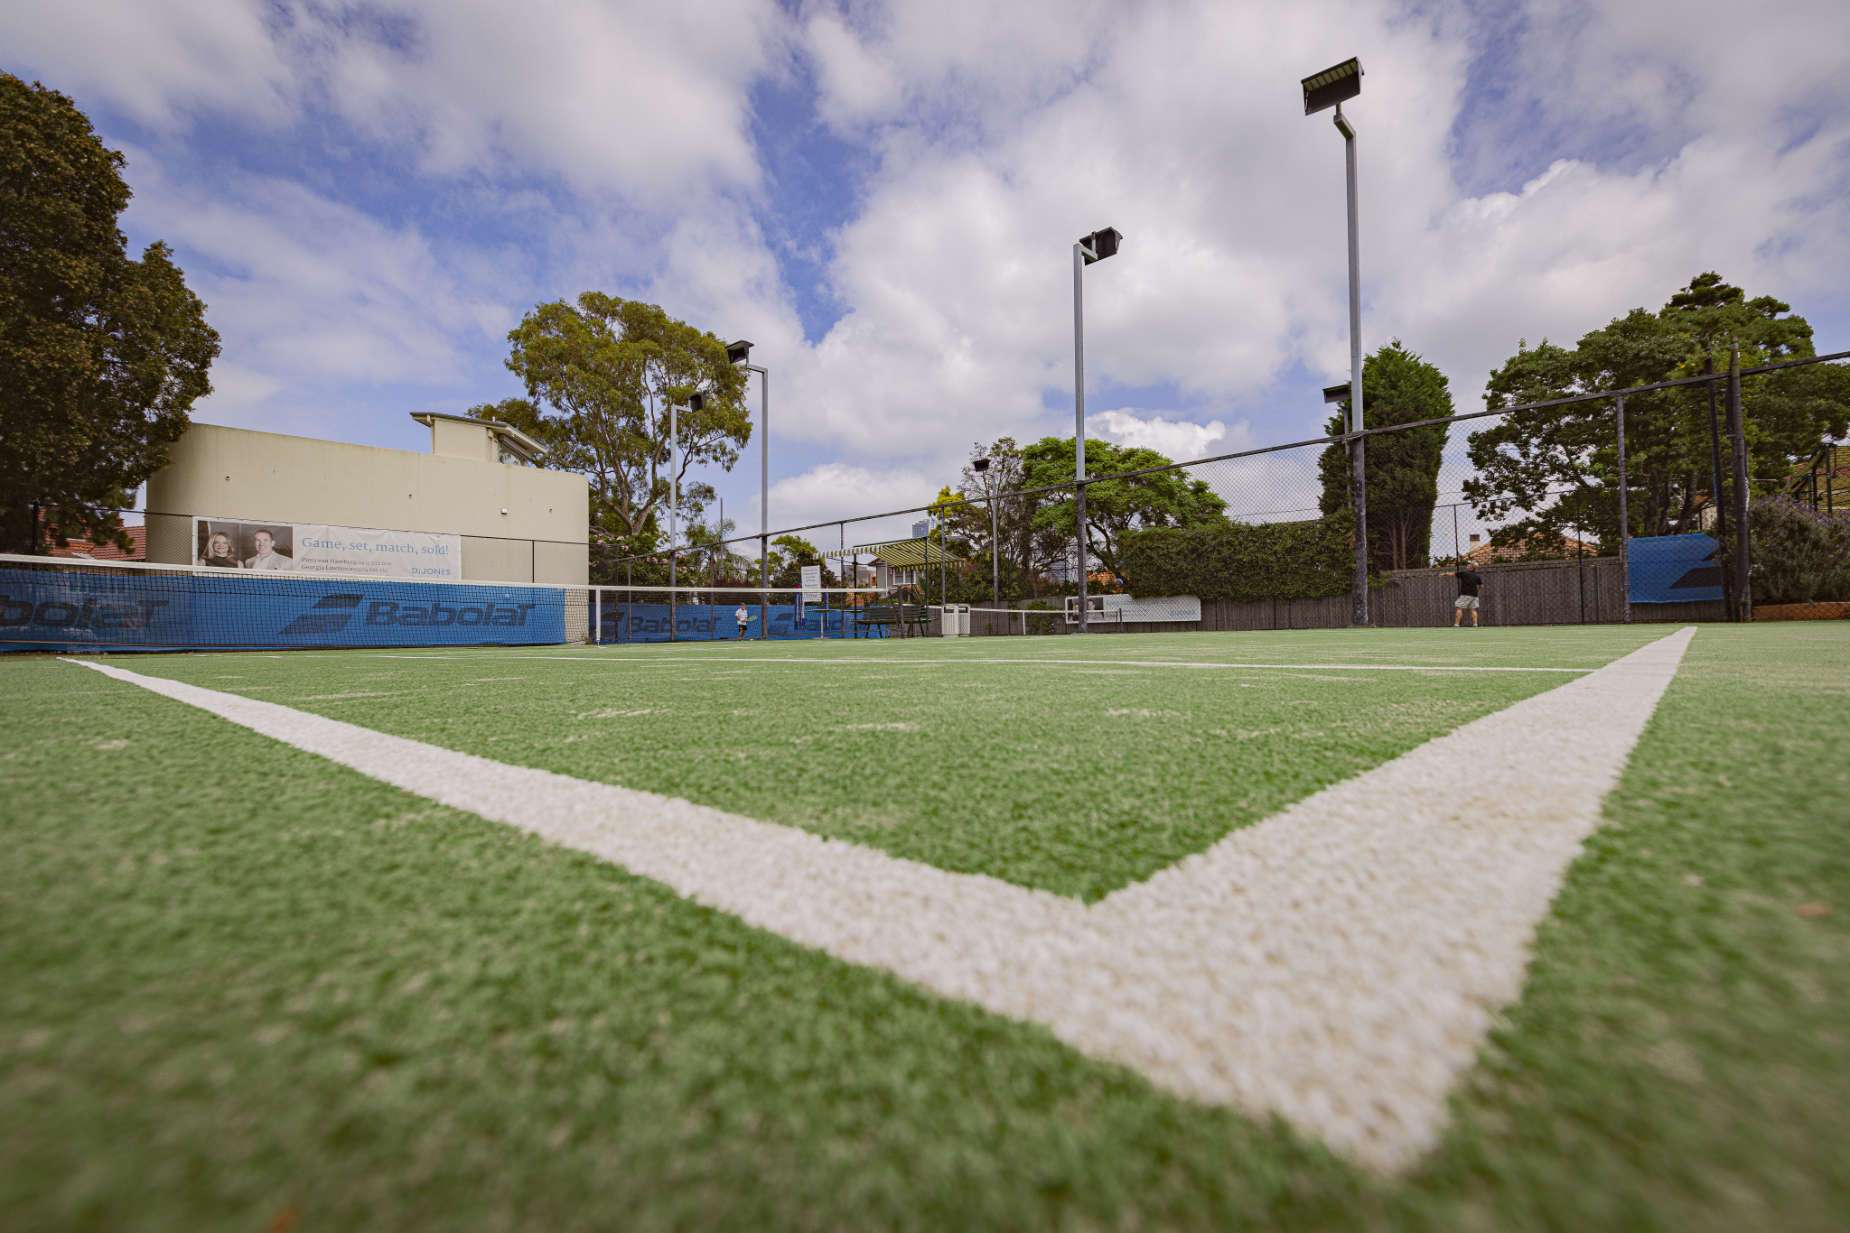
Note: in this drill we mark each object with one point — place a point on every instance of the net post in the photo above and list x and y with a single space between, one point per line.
597 617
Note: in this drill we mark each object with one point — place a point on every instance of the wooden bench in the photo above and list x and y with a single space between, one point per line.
881 616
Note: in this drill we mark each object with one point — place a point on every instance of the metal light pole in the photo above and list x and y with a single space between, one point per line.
674 510
1329 89
674 480
981 466
1087 249
740 354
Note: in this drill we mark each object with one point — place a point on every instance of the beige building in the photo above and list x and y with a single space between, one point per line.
479 483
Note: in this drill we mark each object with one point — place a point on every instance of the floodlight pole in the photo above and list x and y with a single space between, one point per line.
1357 447
764 499
1079 418
674 507
739 353
1095 247
995 545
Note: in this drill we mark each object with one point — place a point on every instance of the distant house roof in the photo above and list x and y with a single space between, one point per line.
900 553
86 550
1534 547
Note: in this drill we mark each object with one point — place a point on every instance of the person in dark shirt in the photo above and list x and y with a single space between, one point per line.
1469 583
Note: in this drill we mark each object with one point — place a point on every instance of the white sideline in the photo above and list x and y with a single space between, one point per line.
1337 964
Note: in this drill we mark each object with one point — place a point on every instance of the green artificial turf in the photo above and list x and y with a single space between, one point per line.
241 988
1073 777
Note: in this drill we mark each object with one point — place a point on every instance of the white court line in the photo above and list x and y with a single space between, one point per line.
953 663
1337 964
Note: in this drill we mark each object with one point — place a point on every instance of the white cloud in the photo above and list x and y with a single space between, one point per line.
156 62
839 490
307 292
1177 439
649 100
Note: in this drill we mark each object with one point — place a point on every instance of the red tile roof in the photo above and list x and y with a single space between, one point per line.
89 551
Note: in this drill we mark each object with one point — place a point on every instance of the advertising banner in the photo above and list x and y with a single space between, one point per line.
45 610
316 548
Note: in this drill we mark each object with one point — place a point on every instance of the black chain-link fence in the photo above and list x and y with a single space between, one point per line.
1609 506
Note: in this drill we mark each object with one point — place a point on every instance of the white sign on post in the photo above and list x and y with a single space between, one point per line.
812 584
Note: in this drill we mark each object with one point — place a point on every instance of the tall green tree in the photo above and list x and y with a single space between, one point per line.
101 356
1114 507
789 554
1555 469
1401 469
601 375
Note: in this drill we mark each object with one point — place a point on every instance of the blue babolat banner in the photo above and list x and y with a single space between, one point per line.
1673 569
71 610
718 622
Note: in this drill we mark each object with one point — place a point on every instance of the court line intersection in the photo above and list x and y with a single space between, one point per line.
1337 964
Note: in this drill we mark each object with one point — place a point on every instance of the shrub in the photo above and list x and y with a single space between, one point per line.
1797 556
1241 561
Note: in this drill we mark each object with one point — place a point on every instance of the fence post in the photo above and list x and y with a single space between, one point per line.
1737 433
1580 558
597 616
673 617
1715 489
1625 525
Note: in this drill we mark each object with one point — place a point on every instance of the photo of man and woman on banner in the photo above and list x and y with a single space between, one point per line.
244 545
315 548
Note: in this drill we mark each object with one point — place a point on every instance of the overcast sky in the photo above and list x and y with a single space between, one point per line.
883 196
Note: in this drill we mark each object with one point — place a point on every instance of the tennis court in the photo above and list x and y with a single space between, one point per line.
1306 929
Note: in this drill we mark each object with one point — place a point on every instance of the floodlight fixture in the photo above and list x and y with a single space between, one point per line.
1336 393
1332 87
1100 244
739 352
696 402
979 465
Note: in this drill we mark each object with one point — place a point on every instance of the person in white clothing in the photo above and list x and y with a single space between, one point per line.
744 617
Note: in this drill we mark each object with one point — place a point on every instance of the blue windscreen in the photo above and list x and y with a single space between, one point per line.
652 622
1673 569
72 609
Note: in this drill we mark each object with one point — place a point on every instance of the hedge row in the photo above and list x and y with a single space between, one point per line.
1239 561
